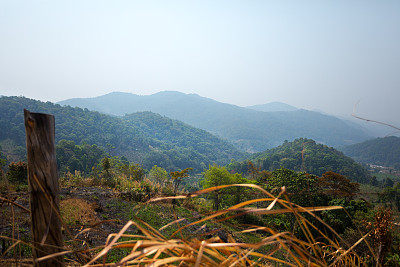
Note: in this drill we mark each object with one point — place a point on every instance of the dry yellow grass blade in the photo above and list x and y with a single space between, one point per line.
151 248
171 223
350 249
211 189
200 254
172 259
152 232
12 246
108 247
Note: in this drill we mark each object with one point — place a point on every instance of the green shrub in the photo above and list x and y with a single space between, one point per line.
18 172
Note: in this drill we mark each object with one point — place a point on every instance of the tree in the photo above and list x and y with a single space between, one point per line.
158 174
253 170
337 186
262 178
340 220
72 157
177 177
388 182
391 195
106 165
133 171
215 176
301 187
241 193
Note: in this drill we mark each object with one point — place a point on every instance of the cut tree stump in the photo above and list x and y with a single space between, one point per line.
43 188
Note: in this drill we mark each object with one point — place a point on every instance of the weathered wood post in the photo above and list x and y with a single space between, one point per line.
43 187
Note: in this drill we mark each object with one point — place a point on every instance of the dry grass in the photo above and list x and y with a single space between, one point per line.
75 211
152 248
316 246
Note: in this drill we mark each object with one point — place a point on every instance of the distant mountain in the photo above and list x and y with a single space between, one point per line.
146 138
305 155
379 151
249 130
273 106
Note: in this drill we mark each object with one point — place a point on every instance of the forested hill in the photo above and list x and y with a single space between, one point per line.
135 136
306 155
248 129
380 151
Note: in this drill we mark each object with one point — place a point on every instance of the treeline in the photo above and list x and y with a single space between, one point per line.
305 155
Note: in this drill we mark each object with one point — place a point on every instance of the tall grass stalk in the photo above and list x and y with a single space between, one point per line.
316 247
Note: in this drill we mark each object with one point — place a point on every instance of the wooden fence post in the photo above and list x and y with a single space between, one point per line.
43 188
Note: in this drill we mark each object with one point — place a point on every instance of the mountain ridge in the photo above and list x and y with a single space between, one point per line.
249 130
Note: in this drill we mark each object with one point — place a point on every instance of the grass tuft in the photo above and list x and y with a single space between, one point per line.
313 248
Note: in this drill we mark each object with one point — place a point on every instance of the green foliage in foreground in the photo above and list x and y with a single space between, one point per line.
217 176
308 190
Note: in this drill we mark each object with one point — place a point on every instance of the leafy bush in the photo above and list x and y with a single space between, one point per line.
18 172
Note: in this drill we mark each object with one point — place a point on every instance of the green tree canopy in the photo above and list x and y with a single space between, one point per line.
301 187
158 174
216 176
177 176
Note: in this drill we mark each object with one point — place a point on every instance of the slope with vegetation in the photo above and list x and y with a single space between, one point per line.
141 138
247 129
283 206
250 224
305 155
183 145
380 151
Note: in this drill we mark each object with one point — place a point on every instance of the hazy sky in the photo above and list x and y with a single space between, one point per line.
324 55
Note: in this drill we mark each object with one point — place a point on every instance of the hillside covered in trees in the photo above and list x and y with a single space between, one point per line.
305 155
110 164
148 139
248 129
379 151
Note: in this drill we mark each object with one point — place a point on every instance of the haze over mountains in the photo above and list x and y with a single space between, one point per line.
251 129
